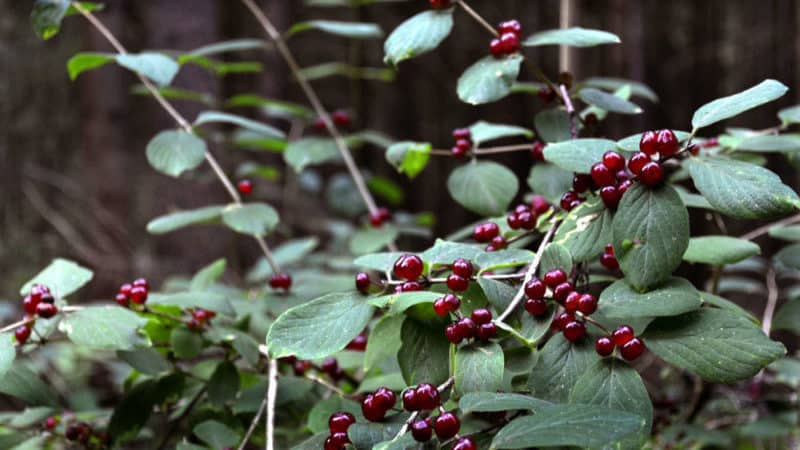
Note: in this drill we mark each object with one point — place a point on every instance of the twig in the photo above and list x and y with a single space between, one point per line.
506 276
529 274
181 121
573 129
478 18
765 229
772 300
183 415
486 151
441 388
326 384
272 392
16 325
254 423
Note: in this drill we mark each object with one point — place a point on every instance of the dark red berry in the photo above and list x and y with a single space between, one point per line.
125 289
194 325
623 187
581 182
509 26
410 401
587 304
458 152
428 397
481 316
632 349
622 335
622 175
647 144
499 242
651 174
487 331
609 261
336 441
535 288
408 267
47 297
463 267
362 281
341 118
513 221
527 220
574 330
36 292
554 277
610 196
439 4
421 431
667 143
329 365
203 315
509 42
46 310
29 303
73 432
50 423
485 232
410 286
537 151
122 300
614 161
637 161
571 302
300 367
567 199
319 124
280 281
574 204
141 282
561 291
385 398
464 444
359 343
375 220
457 283
539 204
466 328
694 149
563 319
441 308
245 187
536 306
603 346
601 175
546 94
22 333
446 425
371 409
339 422
496 48
452 334
462 133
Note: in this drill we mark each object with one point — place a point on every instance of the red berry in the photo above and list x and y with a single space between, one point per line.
47 297
50 423
667 143
466 328
509 26
563 319
462 267
554 277
452 302
300 367
336 441
574 330
571 302
329 365
46 310
509 42
527 220
421 431
651 174
587 304
29 303
457 283
561 291
428 397
441 308
339 422
567 199
513 221
637 161
539 205
614 161
623 187
610 196
362 281
546 95
359 343
603 346
535 288
487 331
463 145
36 292
452 334
408 267
601 175
245 187
341 118
481 316
499 242
73 432
141 282
385 398
647 144
609 248
622 175
139 295
410 401
280 281
122 300
622 335
694 149
446 425
632 349
410 286
319 124
581 182
125 289
609 261
371 409
22 333
203 315
536 306
496 48
464 444
485 232
462 133
439 4
458 152
537 151
375 220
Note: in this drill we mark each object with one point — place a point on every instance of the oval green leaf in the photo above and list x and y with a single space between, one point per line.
574 37
676 296
105 328
478 368
726 107
485 188
174 221
256 219
417 35
578 155
172 152
489 79
62 276
155 66
310 151
719 250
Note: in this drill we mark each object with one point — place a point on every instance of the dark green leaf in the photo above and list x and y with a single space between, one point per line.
174 152
133 411
155 66
145 360
723 303
560 365
372 239
251 218
553 125
770 143
503 259
379 261
578 155
549 181
242 122
208 275
719 250
322 411
726 107
575 37
788 317
478 368
555 256
675 296
498 293
353 30
612 84
47 15
310 151
21 382
7 353
185 343
216 434
586 230
286 254
399 302
424 353
86 61
445 252
489 79
608 102
485 188
62 276
211 301
105 328
223 384
786 232
174 221
789 256
790 115
384 341
482 132
490 402
409 157
417 35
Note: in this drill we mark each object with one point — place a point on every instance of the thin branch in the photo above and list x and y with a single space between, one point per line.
573 128
272 392
772 300
16 325
478 18
503 149
254 423
765 229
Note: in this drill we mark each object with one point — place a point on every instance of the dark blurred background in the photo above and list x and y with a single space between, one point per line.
75 181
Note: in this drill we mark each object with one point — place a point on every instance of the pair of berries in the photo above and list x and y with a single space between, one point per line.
376 405
446 426
423 397
508 42
663 143
280 281
200 317
134 292
608 260
478 325
443 306
463 138
522 217
358 344
458 281
340 118
572 329
245 187
331 367
40 301
338 424
610 176
623 337
381 216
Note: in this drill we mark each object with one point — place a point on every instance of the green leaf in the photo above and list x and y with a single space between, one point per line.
331 69
323 409
86 61
7 353
483 132
553 125
555 256
211 301
608 102
409 157
384 340
560 365
424 353
383 261
485 188
790 115
233 45
789 256
719 250
692 200
177 220
172 152
676 296
723 303
353 30
372 239
770 143
631 143
549 181
105 328
586 230
146 360
21 382
574 37
320 327
786 232
155 66
223 384
491 402
568 425
62 276
216 434
534 328
651 233
185 343
208 275
502 259
478 368
742 190
286 254
399 302
578 155
445 252
47 15
726 107
271 107
310 151
489 79
612 84
417 35
718 345
256 219
242 122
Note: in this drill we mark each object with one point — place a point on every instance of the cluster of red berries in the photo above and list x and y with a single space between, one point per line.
508 42
409 268
623 337
134 292
39 302
377 404
340 118
280 281
564 293
446 425
200 318
423 397
331 367
523 217
380 217
338 424
463 139
458 281
80 432
439 4
478 325
608 260
245 187
299 366
663 143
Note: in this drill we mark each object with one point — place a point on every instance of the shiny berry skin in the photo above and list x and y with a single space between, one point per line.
139 295
452 334
567 199
463 267
537 151
141 282
535 288
462 133
300 367
358 344
574 204
574 330
458 152
485 232
421 431
509 26
410 402
411 286
462 147
122 300
456 283
481 316
651 174
446 425
22 333
546 95
581 182
622 335
466 328
509 42
614 161
408 267
536 306
428 397
46 310
464 444
637 161
385 397
439 4
622 175
329 365
527 220
647 144
441 308
36 292
601 175
514 221
632 349
554 277
280 281
610 196
539 204
561 291
563 319
125 289
245 187
609 261
694 149
667 143
375 220
623 187
499 242
371 409
203 315
603 346
571 302
362 281
341 118
587 304
487 331
47 297
29 303
50 423
452 302
339 422
496 48
336 441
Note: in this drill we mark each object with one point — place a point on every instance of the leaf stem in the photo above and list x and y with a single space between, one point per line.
772 300
255 421
478 18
